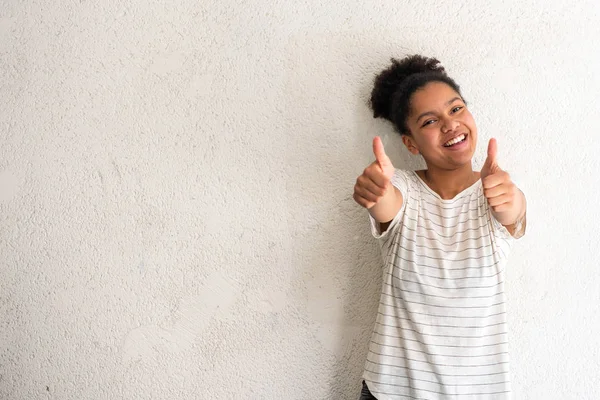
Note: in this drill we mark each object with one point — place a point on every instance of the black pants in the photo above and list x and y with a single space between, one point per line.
365 394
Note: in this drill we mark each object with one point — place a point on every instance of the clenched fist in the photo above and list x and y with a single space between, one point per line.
375 181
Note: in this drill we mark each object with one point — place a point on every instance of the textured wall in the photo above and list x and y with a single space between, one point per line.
175 190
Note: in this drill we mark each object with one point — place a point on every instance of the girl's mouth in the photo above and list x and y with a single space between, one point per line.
457 141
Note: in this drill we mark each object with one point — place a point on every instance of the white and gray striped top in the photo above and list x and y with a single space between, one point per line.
441 328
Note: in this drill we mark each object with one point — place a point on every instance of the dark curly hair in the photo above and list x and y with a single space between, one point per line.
394 87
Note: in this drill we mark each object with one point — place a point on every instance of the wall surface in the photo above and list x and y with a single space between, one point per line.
176 217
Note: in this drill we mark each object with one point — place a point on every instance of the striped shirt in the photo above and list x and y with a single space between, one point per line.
441 329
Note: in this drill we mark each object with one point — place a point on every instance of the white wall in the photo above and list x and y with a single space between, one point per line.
176 179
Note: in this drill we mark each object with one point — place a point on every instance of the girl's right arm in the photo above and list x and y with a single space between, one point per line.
374 190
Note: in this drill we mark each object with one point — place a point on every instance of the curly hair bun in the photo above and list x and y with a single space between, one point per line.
388 81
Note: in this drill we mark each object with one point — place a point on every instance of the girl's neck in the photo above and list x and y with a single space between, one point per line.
449 183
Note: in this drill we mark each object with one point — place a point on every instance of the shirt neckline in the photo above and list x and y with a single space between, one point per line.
458 196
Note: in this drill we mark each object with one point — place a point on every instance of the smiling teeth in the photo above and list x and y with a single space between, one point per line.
455 140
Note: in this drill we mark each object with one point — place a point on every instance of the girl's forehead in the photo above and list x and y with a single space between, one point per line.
434 91
433 95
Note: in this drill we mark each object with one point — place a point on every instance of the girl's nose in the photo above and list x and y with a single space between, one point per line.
449 124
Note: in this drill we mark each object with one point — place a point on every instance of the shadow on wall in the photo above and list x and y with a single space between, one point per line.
337 265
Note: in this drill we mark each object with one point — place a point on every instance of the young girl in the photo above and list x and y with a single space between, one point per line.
445 235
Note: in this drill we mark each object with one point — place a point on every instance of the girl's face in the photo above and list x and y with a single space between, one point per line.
442 128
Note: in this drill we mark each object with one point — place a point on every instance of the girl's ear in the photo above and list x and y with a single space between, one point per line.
410 144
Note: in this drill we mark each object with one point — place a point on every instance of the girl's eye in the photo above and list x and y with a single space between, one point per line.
429 122
456 109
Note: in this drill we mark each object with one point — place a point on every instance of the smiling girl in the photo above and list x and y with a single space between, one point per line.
445 234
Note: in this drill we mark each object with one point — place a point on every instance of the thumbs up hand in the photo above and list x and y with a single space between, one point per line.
503 196
375 181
